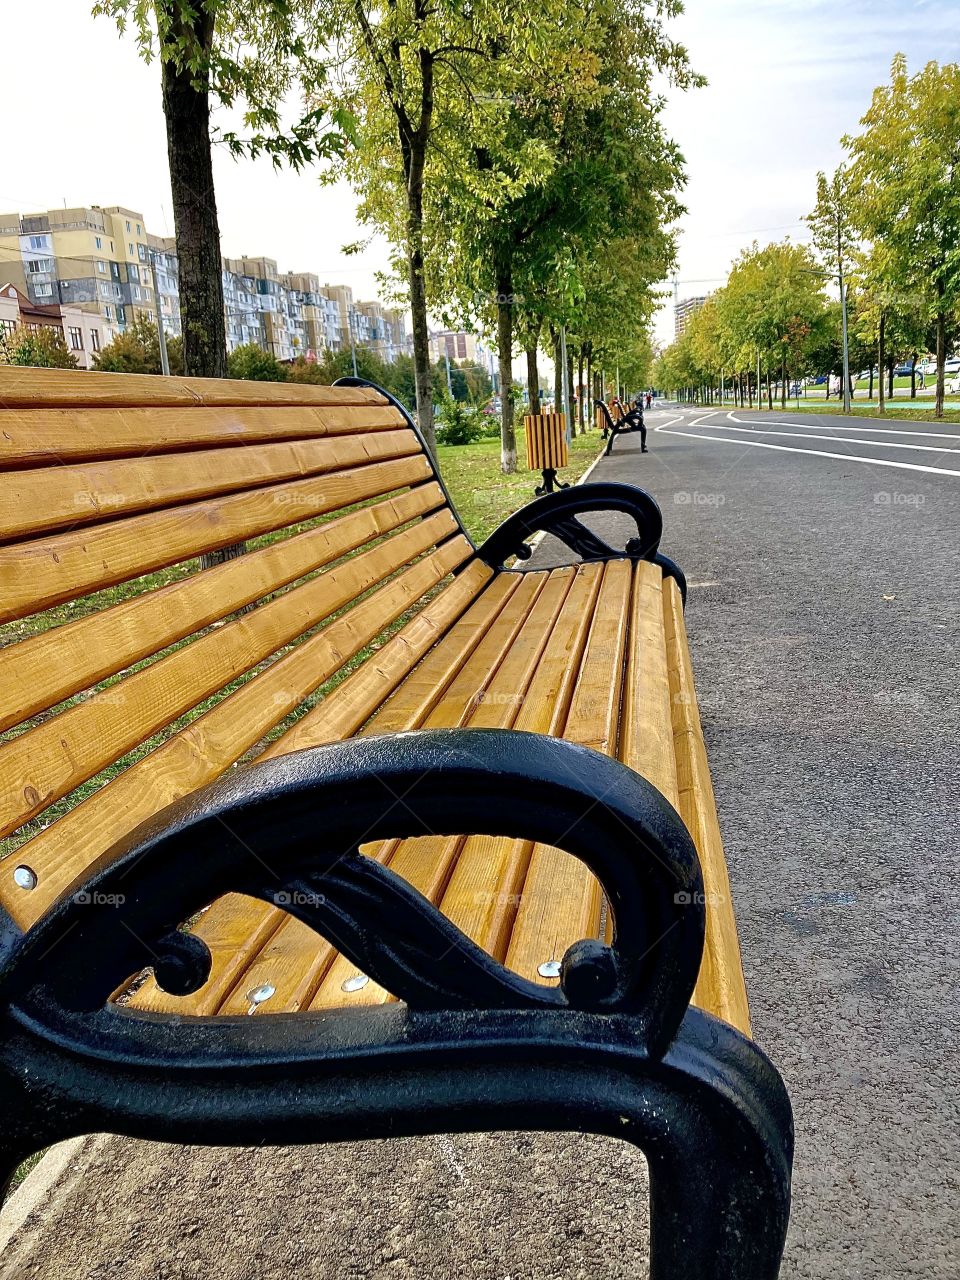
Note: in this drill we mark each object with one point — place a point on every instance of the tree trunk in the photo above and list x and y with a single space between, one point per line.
870 386
422 375
941 356
591 391
783 383
187 112
533 375
890 365
503 266
557 371
769 389
913 376
581 422
569 409
881 355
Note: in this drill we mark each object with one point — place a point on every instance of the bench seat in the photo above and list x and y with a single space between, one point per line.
595 654
279 739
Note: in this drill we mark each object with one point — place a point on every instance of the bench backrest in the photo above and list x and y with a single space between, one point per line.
120 652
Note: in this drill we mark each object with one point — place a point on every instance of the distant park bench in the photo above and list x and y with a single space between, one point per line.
364 757
619 421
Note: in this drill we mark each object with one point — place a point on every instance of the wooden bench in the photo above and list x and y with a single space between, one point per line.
619 422
473 878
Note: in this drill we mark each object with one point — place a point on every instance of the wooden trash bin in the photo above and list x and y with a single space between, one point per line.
547 448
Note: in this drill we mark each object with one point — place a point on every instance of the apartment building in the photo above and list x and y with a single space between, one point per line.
101 259
92 257
80 330
683 311
458 345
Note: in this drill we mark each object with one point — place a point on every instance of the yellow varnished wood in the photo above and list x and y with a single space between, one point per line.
213 742
45 499
561 899
28 388
33 436
47 762
720 987
42 670
46 571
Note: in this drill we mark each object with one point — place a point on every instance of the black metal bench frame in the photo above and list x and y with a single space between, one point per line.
616 1049
632 420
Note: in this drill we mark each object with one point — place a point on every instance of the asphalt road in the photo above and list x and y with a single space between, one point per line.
823 616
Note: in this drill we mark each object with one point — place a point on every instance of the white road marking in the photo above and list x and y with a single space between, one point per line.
798 435
813 453
836 426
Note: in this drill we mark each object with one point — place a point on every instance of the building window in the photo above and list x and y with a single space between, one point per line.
8 326
97 239
37 242
37 265
131 249
136 293
128 228
76 338
141 249
101 267
94 339
107 314
43 290
134 274
139 232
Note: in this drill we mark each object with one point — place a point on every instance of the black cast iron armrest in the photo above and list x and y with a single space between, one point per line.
615 1049
288 831
556 514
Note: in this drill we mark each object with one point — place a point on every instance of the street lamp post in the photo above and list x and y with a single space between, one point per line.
164 358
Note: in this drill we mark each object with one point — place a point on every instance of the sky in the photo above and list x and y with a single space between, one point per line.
787 78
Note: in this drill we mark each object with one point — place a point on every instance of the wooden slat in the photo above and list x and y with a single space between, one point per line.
50 498
210 744
298 958
45 763
483 894
561 898
646 723
487 693
33 436
28 388
41 671
720 987
45 572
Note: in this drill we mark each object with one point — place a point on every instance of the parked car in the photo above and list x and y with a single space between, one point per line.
818 382
904 370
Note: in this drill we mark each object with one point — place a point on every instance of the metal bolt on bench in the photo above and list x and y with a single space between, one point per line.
563 955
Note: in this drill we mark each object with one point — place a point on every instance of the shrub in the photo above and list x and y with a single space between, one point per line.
458 423
44 348
251 361
137 350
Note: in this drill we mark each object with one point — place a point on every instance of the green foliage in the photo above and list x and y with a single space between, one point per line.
459 423
263 53
251 361
43 348
136 349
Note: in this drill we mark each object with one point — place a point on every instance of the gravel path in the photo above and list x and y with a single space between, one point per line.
823 621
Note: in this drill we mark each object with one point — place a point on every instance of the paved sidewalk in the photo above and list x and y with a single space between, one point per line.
823 625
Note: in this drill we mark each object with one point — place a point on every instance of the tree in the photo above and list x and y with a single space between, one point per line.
253 52
905 180
42 347
251 361
136 349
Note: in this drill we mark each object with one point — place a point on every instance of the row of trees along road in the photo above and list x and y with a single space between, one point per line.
512 154
885 226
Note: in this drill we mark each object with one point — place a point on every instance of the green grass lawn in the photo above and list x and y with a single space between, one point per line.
484 496
869 409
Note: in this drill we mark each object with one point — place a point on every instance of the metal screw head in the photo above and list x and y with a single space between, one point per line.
259 994
25 878
355 983
549 969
